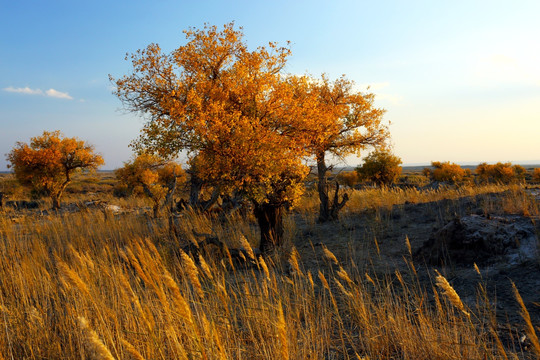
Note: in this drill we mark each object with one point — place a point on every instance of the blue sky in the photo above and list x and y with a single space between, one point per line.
460 80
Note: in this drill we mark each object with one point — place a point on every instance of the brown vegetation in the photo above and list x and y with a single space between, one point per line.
500 172
446 172
87 285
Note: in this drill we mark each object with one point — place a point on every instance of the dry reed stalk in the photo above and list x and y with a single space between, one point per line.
72 277
181 304
370 279
342 289
498 342
205 267
293 261
181 352
477 270
330 256
408 244
282 333
133 353
247 246
526 316
450 293
126 287
263 265
222 354
323 281
95 347
344 276
192 272
310 280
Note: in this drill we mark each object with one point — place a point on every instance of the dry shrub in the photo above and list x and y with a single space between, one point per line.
504 173
446 172
536 175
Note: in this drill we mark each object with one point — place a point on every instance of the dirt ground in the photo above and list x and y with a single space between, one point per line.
352 240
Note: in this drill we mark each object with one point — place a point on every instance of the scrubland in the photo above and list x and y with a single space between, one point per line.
93 284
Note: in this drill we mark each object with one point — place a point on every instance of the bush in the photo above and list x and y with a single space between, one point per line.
446 172
381 167
536 175
500 172
348 178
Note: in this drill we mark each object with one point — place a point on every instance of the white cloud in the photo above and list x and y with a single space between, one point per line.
25 90
58 94
49 93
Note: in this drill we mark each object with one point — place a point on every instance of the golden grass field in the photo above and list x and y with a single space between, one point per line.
91 284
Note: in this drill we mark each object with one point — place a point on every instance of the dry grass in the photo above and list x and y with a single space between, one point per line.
85 285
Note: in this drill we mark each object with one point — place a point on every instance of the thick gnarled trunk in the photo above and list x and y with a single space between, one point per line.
196 185
270 219
328 211
56 195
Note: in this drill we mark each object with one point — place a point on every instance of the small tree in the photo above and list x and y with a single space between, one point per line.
446 172
157 177
47 164
536 175
338 121
381 167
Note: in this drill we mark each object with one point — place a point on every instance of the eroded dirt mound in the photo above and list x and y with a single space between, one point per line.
482 240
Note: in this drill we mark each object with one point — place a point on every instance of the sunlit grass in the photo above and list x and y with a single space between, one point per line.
91 284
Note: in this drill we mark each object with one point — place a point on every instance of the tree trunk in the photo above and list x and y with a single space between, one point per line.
270 219
1 200
195 189
322 187
328 211
155 208
55 202
171 189
55 196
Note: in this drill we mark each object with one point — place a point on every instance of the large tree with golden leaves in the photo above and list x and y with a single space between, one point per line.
49 161
229 107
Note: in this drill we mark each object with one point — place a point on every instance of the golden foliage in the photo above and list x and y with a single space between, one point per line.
226 105
446 172
536 175
500 172
48 162
157 177
337 118
381 167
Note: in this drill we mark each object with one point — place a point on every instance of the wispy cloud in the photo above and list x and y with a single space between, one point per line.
25 90
58 94
49 93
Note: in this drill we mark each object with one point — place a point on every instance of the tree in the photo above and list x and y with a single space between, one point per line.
381 167
157 177
47 164
446 172
230 109
338 121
